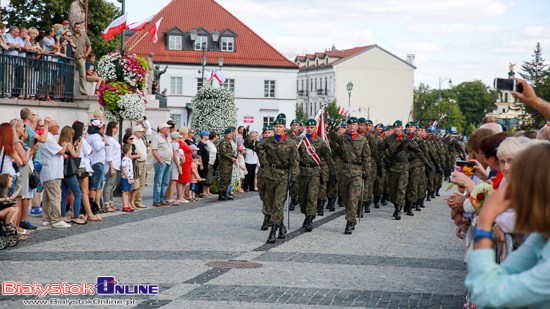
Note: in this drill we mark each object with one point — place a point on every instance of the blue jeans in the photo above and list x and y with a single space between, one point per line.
96 181
162 175
70 184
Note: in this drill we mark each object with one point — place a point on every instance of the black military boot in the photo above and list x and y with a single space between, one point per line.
320 208
293 203
349 226
330 204
305 221
228 196
428 196
408 209
384 200
366 205
309 223
418 203
340 201
221 197
353 224
282 231
421 203
376 200
272 235
359 207
397 213
265 225
432 194
437 193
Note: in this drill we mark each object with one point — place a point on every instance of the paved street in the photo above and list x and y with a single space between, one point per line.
413 263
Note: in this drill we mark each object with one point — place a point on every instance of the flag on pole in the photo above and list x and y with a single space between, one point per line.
154 31
220 76
342 110
321 131
116 27
411 114
355 109
209 77
140 25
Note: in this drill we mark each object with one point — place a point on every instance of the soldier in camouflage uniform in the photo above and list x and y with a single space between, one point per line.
310 173
332 186
378 187
388 130
355 157
365 128
396 149
227 157
423 184
417 172
279 157
251 144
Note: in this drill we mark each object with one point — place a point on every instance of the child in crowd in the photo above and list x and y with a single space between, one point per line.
98 114
92 76
242 167
8 210
195 177
127 178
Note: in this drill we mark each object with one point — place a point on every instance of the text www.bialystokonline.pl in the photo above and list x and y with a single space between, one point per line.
78 302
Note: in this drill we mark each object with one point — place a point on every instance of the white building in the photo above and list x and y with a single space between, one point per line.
508 110
263 80
382 82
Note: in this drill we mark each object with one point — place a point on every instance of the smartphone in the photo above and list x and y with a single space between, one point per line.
506 84
33 142
465 163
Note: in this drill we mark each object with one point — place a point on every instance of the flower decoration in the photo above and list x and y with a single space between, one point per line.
479 195
123 94
466 170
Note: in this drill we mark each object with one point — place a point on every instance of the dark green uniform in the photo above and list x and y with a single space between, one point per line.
226 156
378 189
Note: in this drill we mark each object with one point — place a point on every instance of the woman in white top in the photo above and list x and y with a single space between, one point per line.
83 178
113 156
212 154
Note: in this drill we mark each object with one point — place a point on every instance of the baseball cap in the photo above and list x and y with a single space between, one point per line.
240 148
96 122
193 147
164 125
138 129
65 22
203 133
175 134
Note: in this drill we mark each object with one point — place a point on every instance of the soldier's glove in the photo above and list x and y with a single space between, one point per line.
379 169
334 178
365 176
291 184
429 166
387 162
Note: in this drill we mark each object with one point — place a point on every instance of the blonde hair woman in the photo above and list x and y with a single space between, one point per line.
70 183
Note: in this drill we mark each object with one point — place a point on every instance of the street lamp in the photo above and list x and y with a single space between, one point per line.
439 97
349 86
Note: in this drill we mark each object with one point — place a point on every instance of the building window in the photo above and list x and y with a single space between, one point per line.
269 89
311 85
174 42
268 121
199 83
229 84
326 84
504 111
505 97
302 84
200 43
326 61
177 119
316 84
228 44
175 85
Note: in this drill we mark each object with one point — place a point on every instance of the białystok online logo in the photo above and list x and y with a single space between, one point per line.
106 285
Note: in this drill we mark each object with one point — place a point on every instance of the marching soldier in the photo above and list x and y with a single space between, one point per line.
314 154
332 186
365 127
388 130
395 149
354 153
279 156
416 172
227 157
378 189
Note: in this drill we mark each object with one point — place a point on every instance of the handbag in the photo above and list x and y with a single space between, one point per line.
81 173
34 180
70 166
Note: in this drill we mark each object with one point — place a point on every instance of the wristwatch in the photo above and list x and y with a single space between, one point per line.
482 234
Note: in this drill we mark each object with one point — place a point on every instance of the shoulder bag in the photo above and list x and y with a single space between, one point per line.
70 166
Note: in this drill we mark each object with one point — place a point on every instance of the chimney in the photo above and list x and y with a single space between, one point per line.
410 59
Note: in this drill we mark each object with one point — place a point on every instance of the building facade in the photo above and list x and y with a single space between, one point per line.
382 82
509 110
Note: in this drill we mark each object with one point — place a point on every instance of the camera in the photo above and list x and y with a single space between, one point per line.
506 84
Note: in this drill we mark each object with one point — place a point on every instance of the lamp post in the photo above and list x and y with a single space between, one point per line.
121 37
349 87
439 97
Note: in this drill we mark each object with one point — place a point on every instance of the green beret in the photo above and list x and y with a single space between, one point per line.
369 122
333 122
311 122
387 128
294 121
227 131
303 123
281 115
279 121
411 124
343 126
361 120
420 126
397 123
352 120
268 128
380 126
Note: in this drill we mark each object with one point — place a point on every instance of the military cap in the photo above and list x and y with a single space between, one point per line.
343 126
397 123
268 128
361 120
352 120
368 121
303 123
387 128
420 126
411 124
281 115
311 122
279 121
333 122
227 131
380 125
294 121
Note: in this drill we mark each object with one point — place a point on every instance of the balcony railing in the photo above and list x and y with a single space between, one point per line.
302 93
321 92
163 100
26 77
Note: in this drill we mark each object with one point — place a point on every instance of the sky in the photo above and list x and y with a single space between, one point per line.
463 40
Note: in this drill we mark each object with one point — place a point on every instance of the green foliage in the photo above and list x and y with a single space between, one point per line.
473 98
300 115
331 112
471 128
111 97
537 73
426 109
46 13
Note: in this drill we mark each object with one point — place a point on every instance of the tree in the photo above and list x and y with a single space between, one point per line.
46 13
300 115
537 73
473 98
332 112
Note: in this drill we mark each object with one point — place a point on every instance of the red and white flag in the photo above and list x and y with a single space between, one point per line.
209 77
435 123
116 27
140 25
311 151
220 76
321 128
355 109
154 31
342 110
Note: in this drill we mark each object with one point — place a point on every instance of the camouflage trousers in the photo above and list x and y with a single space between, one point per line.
422 184
379 183
226 170
332 188
414 184
398 182
294 192
439 183
350 190
261 190
308 194
432 181
322 190
369 186
275 198
387 189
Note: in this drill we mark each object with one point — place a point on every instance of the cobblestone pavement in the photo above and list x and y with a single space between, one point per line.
413 263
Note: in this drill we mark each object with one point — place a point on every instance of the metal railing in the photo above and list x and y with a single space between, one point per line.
163 100
26 77
321 92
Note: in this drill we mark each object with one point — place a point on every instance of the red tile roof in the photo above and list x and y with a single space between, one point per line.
342 54
252 50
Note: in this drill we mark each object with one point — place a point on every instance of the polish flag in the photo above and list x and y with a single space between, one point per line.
140 25
342 110
209 77
116 27
154 31
355 109
220 76
321 128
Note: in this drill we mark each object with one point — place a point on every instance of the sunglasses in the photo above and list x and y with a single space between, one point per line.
131 138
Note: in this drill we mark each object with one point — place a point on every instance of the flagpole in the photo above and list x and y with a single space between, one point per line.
136 43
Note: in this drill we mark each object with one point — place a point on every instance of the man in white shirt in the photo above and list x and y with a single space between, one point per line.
162 152
52 174
147 125
251 161
139 182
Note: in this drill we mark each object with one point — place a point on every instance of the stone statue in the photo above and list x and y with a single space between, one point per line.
151 73
511 67
158 72
76 15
